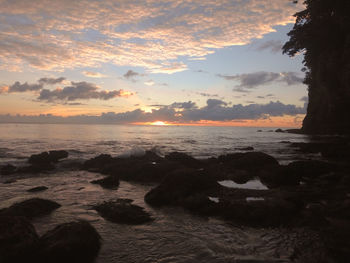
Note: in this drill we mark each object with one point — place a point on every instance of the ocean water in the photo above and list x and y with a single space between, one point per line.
175 235
18 141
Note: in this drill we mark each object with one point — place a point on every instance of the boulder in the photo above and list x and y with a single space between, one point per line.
98 162
248 160
310 169
37 189
76 242
280 175
109 182
47 157
8 169
179 185
183 159
123 212
18 239
30 208
279 130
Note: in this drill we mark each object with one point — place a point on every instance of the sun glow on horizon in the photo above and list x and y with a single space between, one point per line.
159 123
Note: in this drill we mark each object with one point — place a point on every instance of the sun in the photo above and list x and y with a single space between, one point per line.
158 123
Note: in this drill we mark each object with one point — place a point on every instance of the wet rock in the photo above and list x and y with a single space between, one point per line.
37 189
294 131
109 182
240 176
271 212
30 208
76 242
47 157
311 168
10 181
279 130
183 159
276 176
249 148
8 169
179 185
259 130
18 240
123 212
248 160
36 168
98 162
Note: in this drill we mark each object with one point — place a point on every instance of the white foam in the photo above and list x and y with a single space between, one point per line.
214 199
135 152
253 199
253 184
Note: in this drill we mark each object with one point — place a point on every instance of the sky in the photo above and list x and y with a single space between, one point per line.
183 62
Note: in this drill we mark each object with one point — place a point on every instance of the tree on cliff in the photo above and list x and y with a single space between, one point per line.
322 33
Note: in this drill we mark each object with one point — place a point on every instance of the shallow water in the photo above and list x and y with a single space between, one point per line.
174 236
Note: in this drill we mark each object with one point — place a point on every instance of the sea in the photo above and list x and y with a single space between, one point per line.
175 235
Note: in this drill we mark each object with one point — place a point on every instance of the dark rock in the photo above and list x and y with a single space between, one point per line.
37 189
18 240
76 242
179 185
57 155
109 182
259 130
8 169
36 168
98 162
276 176
249 160
47 157
240 176
267 213
10 181
183 159
30 208
295 131
123 212
310 169
249 148
279 130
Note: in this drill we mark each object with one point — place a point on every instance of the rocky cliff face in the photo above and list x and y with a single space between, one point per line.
328 111
322 33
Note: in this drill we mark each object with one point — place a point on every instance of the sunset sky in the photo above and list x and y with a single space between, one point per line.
175 61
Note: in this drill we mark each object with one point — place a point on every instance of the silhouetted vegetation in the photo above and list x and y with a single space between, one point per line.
322 33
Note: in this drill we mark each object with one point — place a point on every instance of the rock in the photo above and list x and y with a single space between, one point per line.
240 176
8 169
295 131
47 157
279 130
98 162
30 208
271 212
310 169
57 155
183 159
259 130
10 181
76 242
37 189
248 160
36 168
276 176
18 240
123 212
179 185
109 182
249 148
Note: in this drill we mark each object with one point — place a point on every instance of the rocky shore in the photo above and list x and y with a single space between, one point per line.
246 188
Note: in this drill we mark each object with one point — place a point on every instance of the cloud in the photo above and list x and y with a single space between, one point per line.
51 81
92 74
149 82
18 87
156 35
130 74
215 110
80 91
204 94
275 46
255 79
304 99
